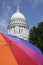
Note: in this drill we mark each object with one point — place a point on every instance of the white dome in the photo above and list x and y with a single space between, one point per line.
18 15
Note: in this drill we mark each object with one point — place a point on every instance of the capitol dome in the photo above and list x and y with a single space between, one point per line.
18 14
18 26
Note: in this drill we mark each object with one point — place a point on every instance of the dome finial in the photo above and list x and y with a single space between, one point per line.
17 8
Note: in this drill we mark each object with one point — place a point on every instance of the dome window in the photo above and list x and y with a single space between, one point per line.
19 20
14 29
14 20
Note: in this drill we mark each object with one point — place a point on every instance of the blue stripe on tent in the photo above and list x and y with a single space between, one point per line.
27 43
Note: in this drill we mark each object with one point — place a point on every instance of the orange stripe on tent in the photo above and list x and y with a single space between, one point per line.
2 40
6 56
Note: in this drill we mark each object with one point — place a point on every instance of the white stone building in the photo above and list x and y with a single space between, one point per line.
18 26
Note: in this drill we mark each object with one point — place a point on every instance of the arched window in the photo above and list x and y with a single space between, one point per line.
19 30
14 29
19 20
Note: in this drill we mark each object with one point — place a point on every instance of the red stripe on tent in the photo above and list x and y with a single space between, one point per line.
21 57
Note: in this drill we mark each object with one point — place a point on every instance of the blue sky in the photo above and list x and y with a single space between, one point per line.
32 10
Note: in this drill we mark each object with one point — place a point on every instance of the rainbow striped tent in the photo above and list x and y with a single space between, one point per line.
16 51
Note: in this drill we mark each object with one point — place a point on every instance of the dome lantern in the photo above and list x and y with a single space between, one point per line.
17 8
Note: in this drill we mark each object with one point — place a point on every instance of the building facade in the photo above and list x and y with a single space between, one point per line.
18 26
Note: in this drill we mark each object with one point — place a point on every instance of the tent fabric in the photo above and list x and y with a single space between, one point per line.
37 57
27 43
16 51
